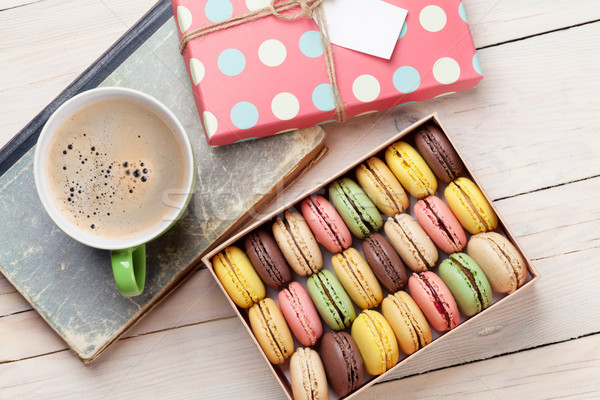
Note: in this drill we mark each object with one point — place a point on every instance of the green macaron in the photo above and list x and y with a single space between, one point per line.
467 282
331 300
355 207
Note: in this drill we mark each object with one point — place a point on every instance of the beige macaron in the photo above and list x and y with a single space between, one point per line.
357 278
308 375
407 321
271 330
297 243
411 242
382 187
501 262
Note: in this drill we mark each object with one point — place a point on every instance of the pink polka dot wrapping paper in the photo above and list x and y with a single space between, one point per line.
268 76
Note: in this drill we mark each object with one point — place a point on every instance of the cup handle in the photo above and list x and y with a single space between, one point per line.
129 269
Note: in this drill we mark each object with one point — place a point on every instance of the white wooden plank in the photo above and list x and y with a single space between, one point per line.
31 73
204 361
494 21
566 370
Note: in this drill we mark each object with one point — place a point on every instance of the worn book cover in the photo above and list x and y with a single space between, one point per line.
71 285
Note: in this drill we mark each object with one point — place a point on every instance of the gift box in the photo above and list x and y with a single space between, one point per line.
268 76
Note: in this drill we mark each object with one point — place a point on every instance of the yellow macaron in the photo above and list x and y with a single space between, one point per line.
376 342
470 206
357 278
238 277
382 187
411 169
407 321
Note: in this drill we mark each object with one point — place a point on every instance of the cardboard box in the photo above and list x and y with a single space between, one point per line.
281 372
268 76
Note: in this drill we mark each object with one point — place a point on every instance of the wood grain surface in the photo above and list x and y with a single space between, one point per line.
529 132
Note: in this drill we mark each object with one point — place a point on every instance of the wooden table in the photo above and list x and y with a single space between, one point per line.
530 132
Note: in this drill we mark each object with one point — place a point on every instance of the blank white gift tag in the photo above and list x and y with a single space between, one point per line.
368 26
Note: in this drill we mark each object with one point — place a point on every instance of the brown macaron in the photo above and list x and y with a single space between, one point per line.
342 361
439 153
385 262
267 259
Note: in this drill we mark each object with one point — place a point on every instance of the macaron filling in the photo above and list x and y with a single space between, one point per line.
383 340
385 261
439 153
307 368
303 259
469 275
273 334
339 315
351 362
266 260
239 281
414 247
350 267
325 221
292 296
370 225
383 185
412 170
474 208
437 301
437 221
410 322
513 264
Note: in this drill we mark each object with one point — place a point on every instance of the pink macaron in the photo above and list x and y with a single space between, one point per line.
440 224
300 314
326 223
435 300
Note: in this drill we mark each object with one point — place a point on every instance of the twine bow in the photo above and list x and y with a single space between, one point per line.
306 9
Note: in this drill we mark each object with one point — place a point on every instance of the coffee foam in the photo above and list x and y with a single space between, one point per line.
112 167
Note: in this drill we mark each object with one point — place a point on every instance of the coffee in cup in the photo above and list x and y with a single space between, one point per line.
114 169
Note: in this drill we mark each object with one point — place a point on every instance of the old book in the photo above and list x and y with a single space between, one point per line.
71 285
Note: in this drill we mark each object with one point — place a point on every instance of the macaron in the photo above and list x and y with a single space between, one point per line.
439 153
410 169
307 376
411 242
499 259
467 282
357 278
271 331
326 224
238 277
407 321
435 300
385 262
440 224
300 314
470 206
297 243
382 187
267 259
376 342
357 210
342 361
331 300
